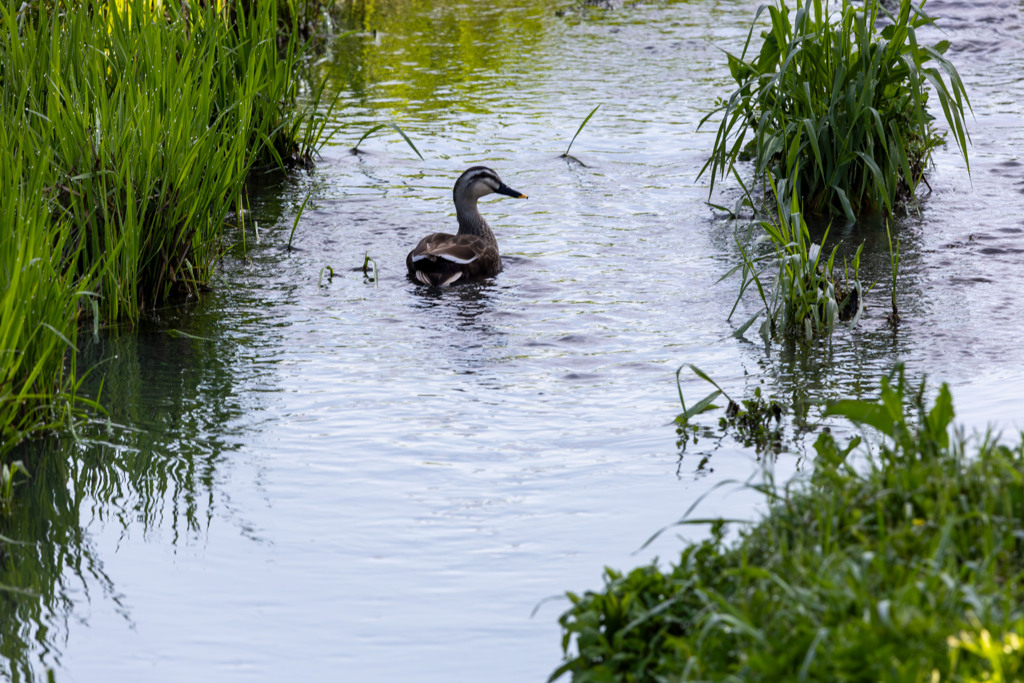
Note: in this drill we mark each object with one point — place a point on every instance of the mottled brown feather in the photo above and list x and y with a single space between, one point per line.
474 256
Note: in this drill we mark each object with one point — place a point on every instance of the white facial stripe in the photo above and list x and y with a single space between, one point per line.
485 176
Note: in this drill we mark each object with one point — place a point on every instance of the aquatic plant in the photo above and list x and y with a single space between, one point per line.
298 217
755 422
806 298
834 105
894 262
39 297
329 272
367 262
153 127
897 563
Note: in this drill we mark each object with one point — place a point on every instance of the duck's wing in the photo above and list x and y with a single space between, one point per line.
441 259
461 249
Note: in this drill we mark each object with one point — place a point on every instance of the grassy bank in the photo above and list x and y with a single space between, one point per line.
128 131
902 563
39 299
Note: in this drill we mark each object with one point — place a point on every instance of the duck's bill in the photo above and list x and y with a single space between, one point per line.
506 190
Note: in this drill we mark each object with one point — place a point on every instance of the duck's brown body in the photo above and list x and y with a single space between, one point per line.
472 253
442 259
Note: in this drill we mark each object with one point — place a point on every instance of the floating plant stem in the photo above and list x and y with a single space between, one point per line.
295 223
330 276
380 126
367 261
894 261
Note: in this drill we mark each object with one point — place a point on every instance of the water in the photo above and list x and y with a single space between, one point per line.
347 479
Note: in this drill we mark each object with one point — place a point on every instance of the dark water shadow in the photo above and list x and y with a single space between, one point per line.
459 311
152 463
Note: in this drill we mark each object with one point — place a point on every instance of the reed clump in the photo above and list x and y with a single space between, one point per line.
899 563
832 111
834 105
128 131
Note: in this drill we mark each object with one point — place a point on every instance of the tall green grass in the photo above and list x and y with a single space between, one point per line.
38 297
154 121
900 563
128 130
833 105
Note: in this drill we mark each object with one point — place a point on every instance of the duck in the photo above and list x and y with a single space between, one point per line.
441 258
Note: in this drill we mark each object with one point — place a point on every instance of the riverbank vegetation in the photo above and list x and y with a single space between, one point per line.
129 130
898 562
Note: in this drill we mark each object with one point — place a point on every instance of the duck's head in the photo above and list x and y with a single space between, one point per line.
479 181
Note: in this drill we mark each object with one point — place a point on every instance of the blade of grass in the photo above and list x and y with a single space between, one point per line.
580 130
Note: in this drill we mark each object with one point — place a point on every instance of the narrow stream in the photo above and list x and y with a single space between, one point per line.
339 477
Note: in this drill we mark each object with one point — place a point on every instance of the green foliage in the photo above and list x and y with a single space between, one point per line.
8 474
806 299
756 421
994 660
155 125
154 122
835 109
902 564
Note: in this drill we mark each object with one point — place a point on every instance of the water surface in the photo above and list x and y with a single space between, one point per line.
354 478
